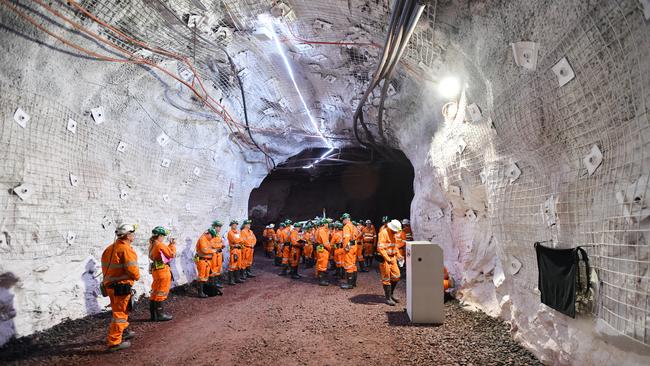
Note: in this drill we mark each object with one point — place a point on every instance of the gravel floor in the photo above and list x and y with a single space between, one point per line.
273 320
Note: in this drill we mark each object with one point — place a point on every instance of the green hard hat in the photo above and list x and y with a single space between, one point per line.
159 230
234 222
298 225
282 224
329 220
339 225
217 223
288 222
247 221
212 232
345 216
384 219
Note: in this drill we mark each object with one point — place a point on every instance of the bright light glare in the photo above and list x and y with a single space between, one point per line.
449 87
269 25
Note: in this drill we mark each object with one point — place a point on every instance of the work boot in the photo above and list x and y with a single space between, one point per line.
341 273
388 295
152 311
162 317
278 261
127 334
294 273
121 346
284 271
237 278
354 279
242 275
364 266
249 273
217 281
200 290
348 284
231 279
322 281
392 291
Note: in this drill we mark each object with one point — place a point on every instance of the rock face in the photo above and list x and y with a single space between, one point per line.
546 141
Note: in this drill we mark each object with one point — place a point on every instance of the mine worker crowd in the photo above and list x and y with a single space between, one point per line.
343 247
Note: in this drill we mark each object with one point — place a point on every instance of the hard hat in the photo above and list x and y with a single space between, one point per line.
339 225
329 220
395 225
234 222
159 230
384 219
126 228
212 231
345 216
288 222
368 222
216 223
247 222
271 225
406 222
282 224
298 225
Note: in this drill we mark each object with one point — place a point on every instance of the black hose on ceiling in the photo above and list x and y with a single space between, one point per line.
243 97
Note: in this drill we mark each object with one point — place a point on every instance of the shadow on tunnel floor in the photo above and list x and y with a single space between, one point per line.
368 299
400 318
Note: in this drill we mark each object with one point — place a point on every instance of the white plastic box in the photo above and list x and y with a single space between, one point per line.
424 282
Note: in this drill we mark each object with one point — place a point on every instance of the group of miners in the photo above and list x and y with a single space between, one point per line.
344 247
320 243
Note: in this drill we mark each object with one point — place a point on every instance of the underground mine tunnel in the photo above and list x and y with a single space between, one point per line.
506 143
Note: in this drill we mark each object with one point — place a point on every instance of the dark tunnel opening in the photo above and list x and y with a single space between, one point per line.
352 181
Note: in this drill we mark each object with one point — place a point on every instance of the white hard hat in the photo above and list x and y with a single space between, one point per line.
406 222
271 226
125 229
395 225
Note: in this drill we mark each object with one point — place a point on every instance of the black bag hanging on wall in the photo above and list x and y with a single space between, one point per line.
558 273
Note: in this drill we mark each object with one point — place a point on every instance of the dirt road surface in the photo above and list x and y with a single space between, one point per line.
273 320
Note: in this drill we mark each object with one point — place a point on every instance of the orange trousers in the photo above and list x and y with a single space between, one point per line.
350 259
235 264
322 259
308 250
339 253
162 282
285 255
203 269
247 257
268 246
120 319
294 258
216 264
368 249
359 252
389 271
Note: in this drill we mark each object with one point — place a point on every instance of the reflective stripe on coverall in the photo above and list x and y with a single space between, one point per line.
296 247
162 278
235 243
323 249
205 252
119 265
216 264
387 247
350 249
269 240
369 237
248 240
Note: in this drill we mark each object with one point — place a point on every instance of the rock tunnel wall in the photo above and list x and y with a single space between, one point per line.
489 185
77 178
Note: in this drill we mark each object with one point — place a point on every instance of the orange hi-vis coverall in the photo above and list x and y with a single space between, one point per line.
249 241
308 250
323 249
350 248
387 247
161 273
235 242
286 250
358 239
204 254
297 238
405 235
369 238
216 264
269 240
119 265
337 244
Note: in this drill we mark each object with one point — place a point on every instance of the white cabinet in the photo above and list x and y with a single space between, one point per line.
424 282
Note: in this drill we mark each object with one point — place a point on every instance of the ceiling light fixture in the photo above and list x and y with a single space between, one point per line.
449 87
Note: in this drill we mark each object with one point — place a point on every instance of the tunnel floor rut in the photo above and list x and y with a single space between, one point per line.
273 320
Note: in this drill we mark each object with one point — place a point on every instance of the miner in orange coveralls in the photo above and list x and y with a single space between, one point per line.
322 252
308 250
369 240
120 270
160 254
269 240
235 243
298 241
405 235
203 259
249 241
279 241
285 240
388 268
336 239
216 265
350 253
358 239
